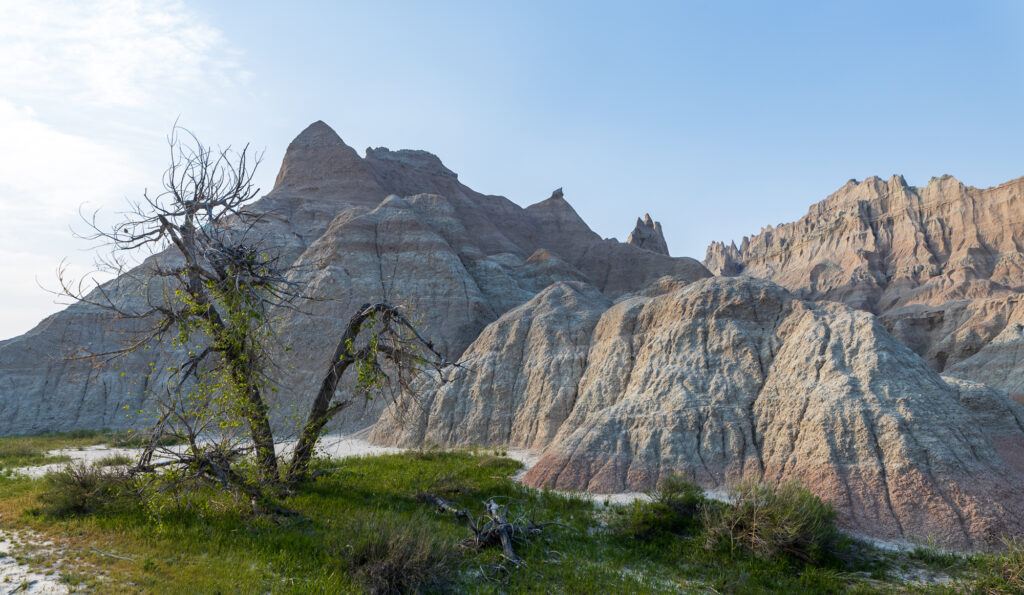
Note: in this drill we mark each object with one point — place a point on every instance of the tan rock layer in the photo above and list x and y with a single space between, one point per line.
732 378
942 265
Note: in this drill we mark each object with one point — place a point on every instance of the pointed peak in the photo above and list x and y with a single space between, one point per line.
556 200
318 158
648 235
317 134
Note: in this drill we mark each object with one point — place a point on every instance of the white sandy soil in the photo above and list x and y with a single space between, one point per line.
20 578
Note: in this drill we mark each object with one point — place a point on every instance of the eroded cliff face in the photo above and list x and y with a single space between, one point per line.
941 265
394 225
723 379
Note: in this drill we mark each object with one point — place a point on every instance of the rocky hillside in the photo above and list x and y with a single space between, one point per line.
724 379
622 364
395 225
942 265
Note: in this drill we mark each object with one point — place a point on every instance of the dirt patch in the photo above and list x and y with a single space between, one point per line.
17 575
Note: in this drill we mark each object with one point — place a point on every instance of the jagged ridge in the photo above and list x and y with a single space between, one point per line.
942 265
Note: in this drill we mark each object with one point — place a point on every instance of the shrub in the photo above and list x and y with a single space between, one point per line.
769 521
399 558
1012 564
80 489
1002 572
675 507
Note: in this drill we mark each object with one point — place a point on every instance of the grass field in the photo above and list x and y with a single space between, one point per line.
25 451
364 527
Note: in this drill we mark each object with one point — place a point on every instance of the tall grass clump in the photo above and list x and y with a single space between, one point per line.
769 521
15 454
394 556
1002 572
675 507
80 489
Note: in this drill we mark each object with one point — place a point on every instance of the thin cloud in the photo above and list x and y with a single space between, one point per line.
111 53
86 89
44 172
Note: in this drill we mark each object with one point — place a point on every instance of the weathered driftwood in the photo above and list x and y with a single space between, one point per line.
493 527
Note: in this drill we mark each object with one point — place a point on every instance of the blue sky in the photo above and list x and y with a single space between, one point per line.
716 117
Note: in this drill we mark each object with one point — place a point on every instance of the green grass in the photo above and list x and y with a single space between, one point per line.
23 451
364 526
115 461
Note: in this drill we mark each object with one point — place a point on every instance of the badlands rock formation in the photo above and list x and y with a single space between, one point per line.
647 235
942 265
623 364
729 378
395 225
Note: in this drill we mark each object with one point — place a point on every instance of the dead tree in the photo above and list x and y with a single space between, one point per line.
394 339
209 287
492 528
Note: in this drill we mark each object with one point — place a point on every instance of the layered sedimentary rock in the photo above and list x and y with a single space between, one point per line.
394 225
726 378
647 235
942 265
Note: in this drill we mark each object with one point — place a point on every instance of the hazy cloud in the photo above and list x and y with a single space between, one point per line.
86 90
110 53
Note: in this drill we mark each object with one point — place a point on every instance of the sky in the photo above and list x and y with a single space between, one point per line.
717 118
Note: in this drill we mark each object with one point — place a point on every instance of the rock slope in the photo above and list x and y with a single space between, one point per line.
942 265
395 225
729 378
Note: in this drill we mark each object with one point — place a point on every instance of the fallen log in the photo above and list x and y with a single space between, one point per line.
493 527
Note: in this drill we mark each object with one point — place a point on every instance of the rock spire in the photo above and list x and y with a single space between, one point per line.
647 235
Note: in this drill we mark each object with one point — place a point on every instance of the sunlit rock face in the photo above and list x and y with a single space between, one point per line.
392 225
729 378
941 265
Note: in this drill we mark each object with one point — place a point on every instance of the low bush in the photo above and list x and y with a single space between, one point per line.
769 521
675 507
80 489
1002 572
389 557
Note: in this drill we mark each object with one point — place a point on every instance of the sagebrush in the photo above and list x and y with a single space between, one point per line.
770 521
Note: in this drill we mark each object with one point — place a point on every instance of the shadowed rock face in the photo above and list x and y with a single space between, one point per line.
941 265
647 235
729 378
394 225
